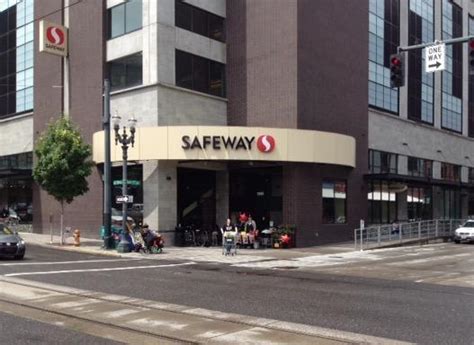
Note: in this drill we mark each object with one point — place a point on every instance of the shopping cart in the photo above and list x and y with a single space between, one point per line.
228 244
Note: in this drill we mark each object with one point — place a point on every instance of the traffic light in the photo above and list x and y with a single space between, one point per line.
471 56
397 70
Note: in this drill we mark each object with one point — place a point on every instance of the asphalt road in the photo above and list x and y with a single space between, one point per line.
20 331
390 308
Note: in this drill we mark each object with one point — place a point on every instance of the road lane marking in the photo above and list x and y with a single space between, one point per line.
65 262
429 259
96 270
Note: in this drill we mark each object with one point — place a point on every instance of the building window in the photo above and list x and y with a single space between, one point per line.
451 203
200 74
420 84
420 167
382 162
334 202
199 21
125 18
450 172
419 204
16 57
451 104
384 38
126 72
22 161
471 175
382 203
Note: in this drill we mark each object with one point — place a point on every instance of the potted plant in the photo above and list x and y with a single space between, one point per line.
287 235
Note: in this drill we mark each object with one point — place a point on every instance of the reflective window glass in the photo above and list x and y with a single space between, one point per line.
200 74
199 21
126 72
124 18
117 21
133 15
334 202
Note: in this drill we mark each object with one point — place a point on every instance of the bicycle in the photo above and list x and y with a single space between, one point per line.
189 236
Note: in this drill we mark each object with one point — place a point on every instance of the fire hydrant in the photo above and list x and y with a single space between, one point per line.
77 237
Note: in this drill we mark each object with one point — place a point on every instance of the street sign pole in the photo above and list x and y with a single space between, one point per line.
107 169
429 44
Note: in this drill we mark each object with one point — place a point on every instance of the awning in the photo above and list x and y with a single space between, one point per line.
417 180
228 143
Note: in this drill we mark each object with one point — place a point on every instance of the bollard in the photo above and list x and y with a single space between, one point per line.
77 237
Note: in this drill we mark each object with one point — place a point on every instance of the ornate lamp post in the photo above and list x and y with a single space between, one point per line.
125 139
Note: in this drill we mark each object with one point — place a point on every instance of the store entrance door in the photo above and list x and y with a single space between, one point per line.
197 198
257 191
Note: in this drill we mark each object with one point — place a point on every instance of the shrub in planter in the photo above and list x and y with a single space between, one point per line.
287 235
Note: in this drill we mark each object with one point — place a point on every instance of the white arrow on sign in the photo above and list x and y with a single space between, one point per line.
435 58
124 199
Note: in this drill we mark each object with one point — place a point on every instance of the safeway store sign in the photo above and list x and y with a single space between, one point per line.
53 38
265 143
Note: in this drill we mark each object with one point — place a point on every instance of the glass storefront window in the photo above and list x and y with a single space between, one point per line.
334 202
419 205
382 203
451 203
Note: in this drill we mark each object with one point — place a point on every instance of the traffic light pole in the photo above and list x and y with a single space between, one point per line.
424 45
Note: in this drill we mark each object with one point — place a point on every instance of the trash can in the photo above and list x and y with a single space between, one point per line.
109 241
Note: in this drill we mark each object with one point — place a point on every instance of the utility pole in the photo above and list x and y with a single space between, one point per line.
107 169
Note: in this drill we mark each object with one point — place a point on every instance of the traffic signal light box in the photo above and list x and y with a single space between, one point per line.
470 56
397 70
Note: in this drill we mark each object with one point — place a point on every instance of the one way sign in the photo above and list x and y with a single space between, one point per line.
435 58
124 199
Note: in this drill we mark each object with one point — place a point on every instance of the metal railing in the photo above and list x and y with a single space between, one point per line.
382 235
15 226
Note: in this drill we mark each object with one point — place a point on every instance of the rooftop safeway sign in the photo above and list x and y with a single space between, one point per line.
435 58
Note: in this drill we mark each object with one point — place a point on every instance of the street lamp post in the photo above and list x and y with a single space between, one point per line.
125 139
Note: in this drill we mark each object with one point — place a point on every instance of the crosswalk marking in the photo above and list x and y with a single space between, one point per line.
97 269
40 263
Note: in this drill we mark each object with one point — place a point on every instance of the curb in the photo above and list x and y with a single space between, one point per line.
67 248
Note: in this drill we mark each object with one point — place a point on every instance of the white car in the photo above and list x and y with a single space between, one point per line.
465 232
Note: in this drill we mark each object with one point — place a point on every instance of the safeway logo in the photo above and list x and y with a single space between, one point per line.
265 143
55 35
53 38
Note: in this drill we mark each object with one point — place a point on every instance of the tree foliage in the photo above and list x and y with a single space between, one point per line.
63 161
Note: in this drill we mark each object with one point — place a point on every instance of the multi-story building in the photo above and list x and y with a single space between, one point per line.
278 108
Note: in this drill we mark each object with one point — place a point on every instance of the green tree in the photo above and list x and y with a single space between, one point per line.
63 163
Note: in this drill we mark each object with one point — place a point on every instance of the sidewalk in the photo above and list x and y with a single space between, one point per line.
210 254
